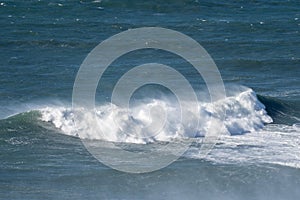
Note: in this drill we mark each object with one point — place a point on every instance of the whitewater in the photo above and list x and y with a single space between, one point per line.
249 135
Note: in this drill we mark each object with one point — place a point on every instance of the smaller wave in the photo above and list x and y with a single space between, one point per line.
243 113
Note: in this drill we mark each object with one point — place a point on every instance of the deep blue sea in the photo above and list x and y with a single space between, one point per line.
256 47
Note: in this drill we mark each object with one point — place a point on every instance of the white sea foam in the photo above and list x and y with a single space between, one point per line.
274 144
243 113
271 143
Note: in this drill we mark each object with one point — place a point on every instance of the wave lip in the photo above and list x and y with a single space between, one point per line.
244 113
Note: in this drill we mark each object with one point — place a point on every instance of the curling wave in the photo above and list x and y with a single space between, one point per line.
243 113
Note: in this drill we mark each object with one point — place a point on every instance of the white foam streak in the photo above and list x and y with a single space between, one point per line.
274 144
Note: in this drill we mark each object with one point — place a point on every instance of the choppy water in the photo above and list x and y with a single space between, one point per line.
256 46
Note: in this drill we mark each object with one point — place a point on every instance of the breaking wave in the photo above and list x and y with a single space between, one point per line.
243 113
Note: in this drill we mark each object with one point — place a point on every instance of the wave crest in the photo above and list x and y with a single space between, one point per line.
243 113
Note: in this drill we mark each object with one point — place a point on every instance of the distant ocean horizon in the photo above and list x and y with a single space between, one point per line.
256 47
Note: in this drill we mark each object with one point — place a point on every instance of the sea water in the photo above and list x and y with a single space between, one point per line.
256 46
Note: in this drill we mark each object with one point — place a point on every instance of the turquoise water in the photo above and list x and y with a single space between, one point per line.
256 46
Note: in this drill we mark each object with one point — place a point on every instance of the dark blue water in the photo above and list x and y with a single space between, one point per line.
256 46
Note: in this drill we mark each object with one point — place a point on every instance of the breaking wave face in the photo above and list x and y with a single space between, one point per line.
243 113
275 143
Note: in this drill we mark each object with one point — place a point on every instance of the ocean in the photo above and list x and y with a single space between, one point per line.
256 48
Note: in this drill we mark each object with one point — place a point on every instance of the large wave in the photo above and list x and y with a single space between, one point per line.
243 113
